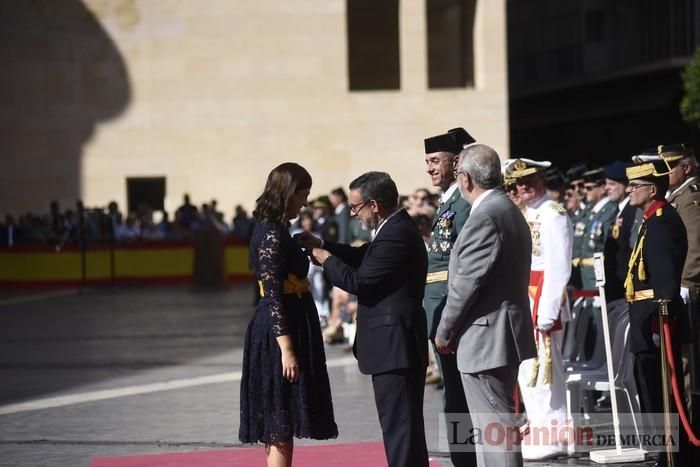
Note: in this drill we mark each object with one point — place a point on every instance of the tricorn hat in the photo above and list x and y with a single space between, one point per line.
596 175
453 141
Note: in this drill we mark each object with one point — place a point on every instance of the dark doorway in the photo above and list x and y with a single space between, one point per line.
145 191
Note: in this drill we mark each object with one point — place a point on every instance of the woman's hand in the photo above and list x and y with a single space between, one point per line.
290 366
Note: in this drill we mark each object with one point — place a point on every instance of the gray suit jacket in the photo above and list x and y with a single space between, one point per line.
488 310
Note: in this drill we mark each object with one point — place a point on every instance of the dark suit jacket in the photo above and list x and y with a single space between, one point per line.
617 253
388 277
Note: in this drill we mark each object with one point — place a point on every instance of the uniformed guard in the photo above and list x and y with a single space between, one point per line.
684 187
578 212
441 161
653 278
542 380
601 217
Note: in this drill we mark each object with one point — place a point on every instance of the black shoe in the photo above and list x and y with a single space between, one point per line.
661 460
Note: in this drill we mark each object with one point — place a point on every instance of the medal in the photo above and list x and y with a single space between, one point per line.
615 231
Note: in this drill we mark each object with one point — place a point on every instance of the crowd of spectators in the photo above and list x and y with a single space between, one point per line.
83 225
327 215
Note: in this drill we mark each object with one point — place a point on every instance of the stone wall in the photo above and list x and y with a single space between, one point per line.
212 94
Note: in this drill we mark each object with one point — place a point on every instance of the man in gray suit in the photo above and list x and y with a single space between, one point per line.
486 319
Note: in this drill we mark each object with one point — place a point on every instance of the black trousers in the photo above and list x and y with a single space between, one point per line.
454 401
647 372
399 398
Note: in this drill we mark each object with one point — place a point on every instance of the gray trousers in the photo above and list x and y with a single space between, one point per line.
490 399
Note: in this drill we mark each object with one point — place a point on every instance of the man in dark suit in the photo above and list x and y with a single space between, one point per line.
388 276
617 242
486 320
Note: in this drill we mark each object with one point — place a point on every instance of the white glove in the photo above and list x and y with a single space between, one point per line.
685 294
656 339
544 324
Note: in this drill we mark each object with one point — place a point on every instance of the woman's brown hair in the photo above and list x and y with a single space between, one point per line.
284 181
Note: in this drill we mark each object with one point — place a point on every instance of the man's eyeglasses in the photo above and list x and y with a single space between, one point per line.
637 186
591 187
356 208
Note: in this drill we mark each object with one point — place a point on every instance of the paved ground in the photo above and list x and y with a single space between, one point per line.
148 370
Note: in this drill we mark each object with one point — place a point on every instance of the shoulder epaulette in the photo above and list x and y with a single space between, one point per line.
557 207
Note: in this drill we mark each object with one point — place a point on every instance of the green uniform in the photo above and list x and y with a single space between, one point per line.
597 226
578 221
447 224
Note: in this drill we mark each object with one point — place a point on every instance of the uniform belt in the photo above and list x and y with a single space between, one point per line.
437 276
694 292
647 294
587 262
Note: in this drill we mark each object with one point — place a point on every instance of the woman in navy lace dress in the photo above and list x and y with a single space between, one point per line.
284 387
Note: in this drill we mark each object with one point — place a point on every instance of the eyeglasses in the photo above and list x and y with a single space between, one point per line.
592 187
637 186
576 185
356 208
526 180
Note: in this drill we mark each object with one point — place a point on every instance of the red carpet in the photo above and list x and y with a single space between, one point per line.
369 454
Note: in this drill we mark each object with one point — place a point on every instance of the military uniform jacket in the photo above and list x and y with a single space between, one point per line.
552 238
597 226
447 224
578 221
658 267
686 200
617 252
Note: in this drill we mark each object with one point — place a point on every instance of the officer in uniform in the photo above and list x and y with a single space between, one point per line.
542 380
578 212
601 217
654 274
684 188
441 161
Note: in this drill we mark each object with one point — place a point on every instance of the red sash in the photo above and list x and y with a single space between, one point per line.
535 292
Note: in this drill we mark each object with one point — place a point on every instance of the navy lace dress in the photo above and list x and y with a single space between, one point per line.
273 410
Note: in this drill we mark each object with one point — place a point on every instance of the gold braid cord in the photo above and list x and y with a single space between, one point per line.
641 272
535 365
547 377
